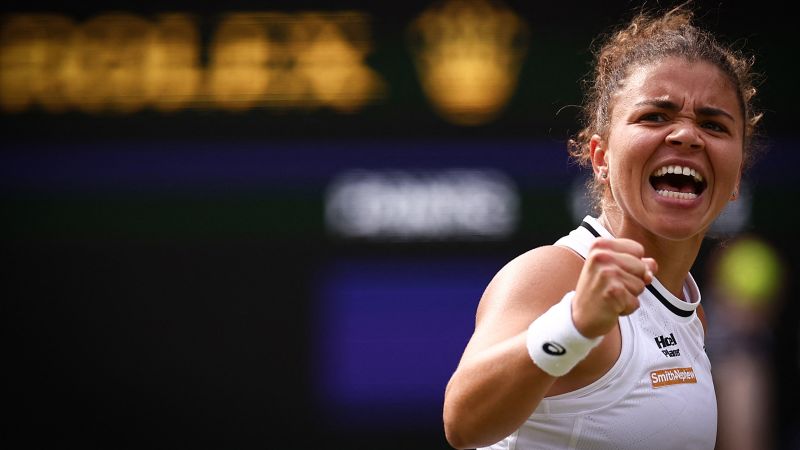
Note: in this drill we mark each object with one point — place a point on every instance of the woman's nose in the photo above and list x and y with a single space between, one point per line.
685 135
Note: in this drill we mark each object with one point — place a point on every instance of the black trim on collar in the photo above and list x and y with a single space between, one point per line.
665 302
594 232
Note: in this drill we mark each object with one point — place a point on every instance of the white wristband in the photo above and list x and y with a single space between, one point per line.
554 344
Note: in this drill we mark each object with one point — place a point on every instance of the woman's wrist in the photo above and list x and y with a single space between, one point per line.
554 343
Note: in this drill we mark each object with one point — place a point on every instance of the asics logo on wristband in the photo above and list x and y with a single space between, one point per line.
551 334
551 348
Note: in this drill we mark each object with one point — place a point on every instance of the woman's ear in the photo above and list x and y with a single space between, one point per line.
597 152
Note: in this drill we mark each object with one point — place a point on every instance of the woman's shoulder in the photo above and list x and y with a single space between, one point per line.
551 263
532 282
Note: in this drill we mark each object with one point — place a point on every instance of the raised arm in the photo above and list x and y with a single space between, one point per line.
497 386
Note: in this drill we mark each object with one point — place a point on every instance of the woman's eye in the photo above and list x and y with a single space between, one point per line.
714 126
653 117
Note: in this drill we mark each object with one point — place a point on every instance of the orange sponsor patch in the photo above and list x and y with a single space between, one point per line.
667 377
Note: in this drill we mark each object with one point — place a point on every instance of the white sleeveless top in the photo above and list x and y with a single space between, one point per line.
658 395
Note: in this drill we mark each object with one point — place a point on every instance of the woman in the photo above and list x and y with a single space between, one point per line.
597 341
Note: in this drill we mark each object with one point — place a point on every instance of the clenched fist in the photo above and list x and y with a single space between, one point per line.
614 275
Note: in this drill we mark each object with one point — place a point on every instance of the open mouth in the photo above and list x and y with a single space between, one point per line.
678 182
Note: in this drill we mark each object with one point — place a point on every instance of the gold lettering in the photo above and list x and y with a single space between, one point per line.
332 64
120 62
238 75
286 89
172 74
107 69
34 52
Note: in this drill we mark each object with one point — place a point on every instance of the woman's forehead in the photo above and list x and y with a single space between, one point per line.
679 80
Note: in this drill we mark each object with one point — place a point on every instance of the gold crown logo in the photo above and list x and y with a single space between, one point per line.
468 54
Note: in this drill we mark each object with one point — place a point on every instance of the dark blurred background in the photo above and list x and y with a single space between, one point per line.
268 224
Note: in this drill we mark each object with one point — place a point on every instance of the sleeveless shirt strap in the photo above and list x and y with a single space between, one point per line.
675 310
591 229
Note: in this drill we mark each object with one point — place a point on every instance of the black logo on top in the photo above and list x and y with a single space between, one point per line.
551 348
668 341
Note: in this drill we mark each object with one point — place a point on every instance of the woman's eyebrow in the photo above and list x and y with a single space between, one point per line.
706 111
660 103
710 111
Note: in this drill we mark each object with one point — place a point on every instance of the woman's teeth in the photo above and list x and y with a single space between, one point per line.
679 170
679 195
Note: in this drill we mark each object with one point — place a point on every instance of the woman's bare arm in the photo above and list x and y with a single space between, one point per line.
496 386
